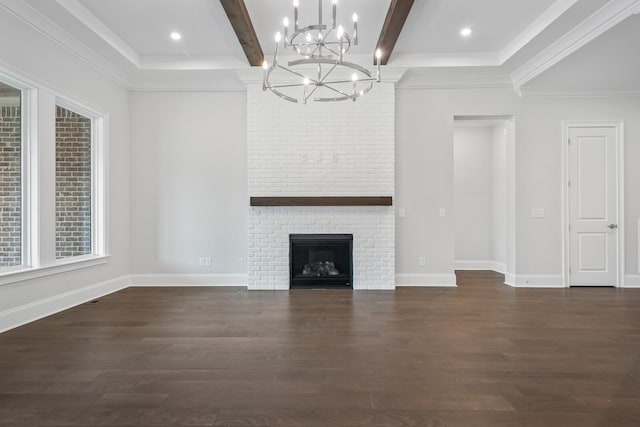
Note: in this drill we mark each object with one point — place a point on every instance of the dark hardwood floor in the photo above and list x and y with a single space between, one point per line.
482 354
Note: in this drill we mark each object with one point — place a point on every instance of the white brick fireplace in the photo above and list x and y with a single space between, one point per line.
321 149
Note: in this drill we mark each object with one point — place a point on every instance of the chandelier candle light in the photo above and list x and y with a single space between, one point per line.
322 71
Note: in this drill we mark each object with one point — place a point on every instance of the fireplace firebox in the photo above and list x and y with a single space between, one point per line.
321 261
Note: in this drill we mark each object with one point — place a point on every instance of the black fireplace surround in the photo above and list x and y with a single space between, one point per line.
321 261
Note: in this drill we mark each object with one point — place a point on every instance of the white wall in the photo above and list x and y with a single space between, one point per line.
28 54
499 196
424 174
424 171
473 195
189 185
539 172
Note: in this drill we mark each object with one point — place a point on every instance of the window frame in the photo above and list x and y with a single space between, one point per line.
32 266
98 182
27 244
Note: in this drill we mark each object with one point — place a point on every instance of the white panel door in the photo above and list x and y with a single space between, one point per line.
593 228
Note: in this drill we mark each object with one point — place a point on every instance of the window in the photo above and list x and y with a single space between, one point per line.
78 220
11 177
74 184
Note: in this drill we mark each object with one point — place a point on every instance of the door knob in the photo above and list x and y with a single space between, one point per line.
612 226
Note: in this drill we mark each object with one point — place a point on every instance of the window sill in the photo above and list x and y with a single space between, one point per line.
62 266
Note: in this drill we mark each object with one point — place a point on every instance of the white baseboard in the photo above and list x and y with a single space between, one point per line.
426 280
376 288
189 280
499 267
556 281
474 265
534 281
33 311
632 281
481 265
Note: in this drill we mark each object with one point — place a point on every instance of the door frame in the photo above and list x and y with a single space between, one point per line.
618 125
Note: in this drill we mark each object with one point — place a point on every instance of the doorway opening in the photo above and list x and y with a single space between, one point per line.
484 193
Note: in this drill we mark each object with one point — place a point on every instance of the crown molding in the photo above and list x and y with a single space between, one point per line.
399 76
538 92
412 60
229 88
455 81
53 32
598 23
93 23
184 82
552 13
454 85
194 63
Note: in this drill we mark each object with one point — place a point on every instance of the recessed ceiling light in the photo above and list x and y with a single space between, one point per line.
465 32
175 35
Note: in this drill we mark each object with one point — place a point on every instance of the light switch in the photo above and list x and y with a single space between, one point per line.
443 212
401 213
537 213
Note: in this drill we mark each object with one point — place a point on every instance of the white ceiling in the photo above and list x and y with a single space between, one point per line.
577 13
433 26
611 62
524 43
267 19
145 26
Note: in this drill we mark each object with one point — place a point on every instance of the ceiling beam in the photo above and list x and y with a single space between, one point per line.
607 17
239 18
393 23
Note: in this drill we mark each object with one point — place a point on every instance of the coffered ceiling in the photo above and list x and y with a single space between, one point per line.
527 44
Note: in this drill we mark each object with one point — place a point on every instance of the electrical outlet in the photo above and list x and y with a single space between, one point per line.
240 261
422 261
401 213
201 261
207 262
443 212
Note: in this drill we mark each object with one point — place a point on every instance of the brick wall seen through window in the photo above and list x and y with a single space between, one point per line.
10 178
73 184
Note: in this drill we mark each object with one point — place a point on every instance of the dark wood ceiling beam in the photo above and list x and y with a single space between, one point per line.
393 23
239 18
